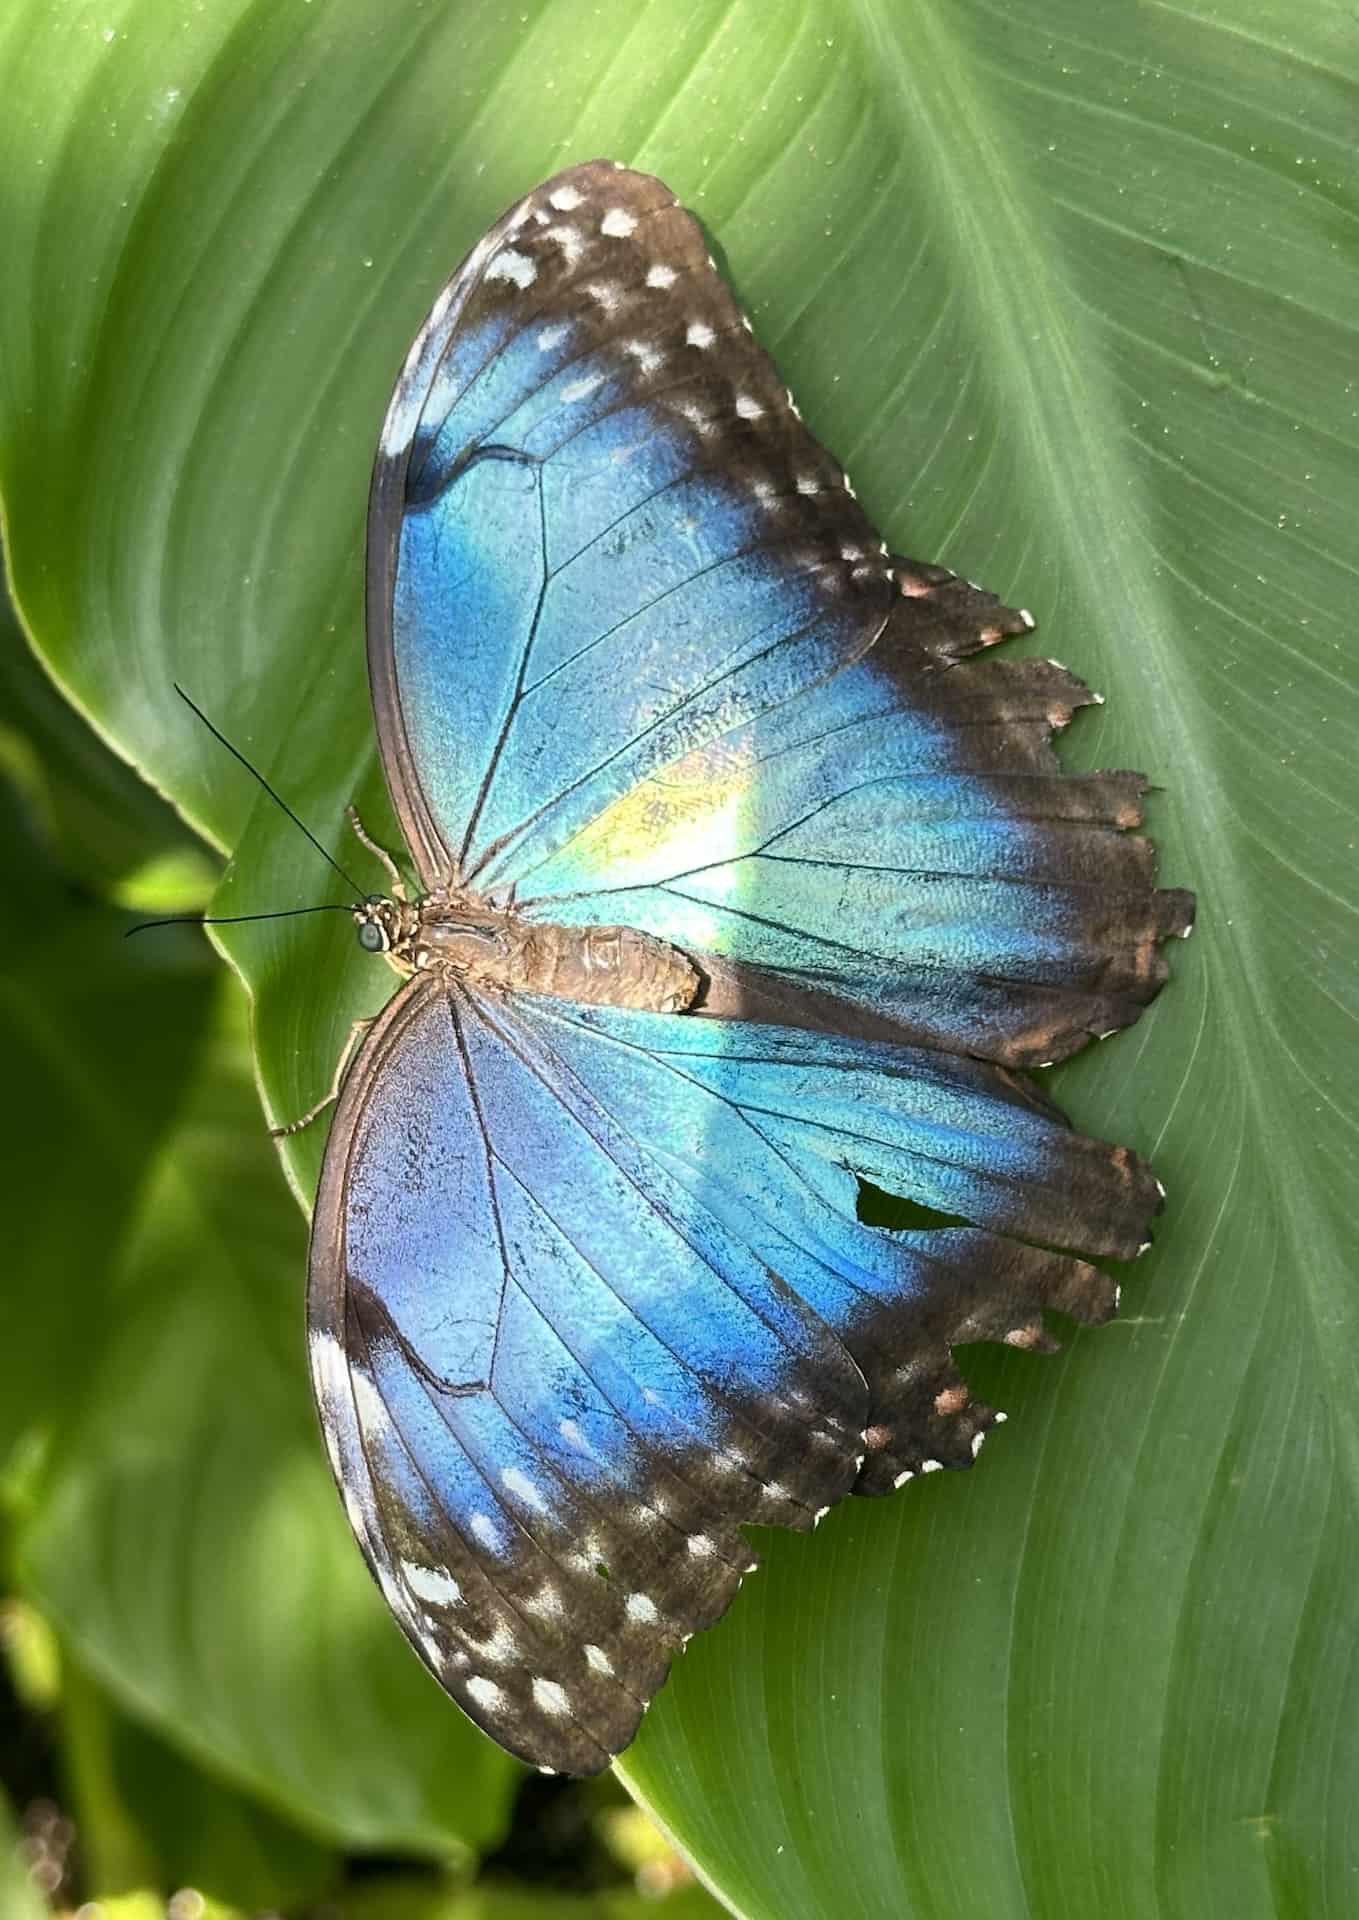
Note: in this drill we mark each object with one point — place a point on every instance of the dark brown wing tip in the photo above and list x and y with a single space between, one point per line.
933 1422
951 617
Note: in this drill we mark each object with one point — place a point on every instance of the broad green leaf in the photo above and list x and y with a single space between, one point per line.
145 1815
1069 286
113 836
100 1036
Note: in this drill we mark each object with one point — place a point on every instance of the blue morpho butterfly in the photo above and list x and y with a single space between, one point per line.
743 881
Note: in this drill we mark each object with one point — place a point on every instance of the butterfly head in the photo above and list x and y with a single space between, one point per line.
388 927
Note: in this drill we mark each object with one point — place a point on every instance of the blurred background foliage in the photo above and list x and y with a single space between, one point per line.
1070 285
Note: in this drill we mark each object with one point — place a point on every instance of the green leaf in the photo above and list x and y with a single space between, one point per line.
147 1816
100 1036
1069 285
112 836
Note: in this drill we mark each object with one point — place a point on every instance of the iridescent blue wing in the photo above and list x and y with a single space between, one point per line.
575 570
589 1291
895 851
637 654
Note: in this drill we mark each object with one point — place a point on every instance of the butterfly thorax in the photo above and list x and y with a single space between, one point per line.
503 950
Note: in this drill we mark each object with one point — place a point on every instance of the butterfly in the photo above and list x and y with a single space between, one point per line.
744 881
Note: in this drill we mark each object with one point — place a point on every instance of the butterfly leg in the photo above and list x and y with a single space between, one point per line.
356 1033
365 839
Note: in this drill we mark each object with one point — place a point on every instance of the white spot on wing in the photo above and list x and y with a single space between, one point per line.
569 240
566 199
551 337
747 408
902 1478
661 276
372 1413
618 223
597 1660
700 334
485 1530
329 1368
431 1584
513 266
580 389
603 293
642 1607
700 1545
551 1698
500 1647
486 1693
520 1485
647 357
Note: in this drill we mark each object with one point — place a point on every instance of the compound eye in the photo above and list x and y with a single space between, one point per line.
371 937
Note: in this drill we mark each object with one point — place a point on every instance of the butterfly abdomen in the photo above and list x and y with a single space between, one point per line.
599 966
607 967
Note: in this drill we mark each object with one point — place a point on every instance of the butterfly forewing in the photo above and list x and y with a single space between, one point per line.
587 395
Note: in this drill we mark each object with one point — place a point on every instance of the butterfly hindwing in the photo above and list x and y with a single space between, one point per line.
547 1456
630 1337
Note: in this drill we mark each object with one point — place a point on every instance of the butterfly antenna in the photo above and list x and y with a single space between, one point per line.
278 800
231 919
